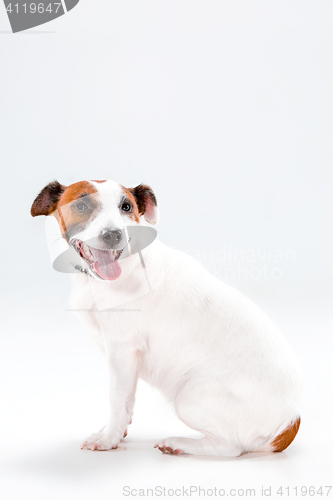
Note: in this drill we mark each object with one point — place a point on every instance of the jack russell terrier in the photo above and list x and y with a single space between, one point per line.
159 315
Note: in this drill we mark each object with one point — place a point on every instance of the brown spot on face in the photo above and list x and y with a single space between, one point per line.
75 191
76 206
283 440
134 214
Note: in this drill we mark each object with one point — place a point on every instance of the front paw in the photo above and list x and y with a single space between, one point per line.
101 441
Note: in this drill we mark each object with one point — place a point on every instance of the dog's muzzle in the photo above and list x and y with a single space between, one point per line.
102 262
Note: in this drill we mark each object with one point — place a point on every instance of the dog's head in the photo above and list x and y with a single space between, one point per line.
93 217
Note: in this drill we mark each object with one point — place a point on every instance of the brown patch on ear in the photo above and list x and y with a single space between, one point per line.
99 182
283 440
47 200
146 202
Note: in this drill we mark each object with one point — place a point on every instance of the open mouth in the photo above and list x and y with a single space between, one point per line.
103 263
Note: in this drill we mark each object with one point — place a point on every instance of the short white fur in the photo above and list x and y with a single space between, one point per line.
220 361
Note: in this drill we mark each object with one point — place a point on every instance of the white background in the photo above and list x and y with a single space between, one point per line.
225 109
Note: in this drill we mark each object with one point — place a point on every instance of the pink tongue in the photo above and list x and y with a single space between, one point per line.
105 265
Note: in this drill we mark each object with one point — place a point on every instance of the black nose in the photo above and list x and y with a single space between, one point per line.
111 237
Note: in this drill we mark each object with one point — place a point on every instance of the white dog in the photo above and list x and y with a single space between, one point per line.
158 314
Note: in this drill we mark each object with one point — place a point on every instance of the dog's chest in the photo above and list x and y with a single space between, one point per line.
104 312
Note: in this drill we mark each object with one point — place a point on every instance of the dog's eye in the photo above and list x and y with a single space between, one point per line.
81 206
126 207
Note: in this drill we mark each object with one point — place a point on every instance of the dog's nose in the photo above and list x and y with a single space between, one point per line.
111 237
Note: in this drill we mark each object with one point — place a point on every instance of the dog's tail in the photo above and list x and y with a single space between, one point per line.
283 440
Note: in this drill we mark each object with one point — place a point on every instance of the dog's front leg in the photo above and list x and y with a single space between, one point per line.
123 362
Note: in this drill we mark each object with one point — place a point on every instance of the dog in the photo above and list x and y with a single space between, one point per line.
158 314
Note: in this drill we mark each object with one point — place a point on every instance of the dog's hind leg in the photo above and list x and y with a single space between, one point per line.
203 446
199 406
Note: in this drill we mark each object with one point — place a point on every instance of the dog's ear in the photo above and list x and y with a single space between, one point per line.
47 200
146 202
